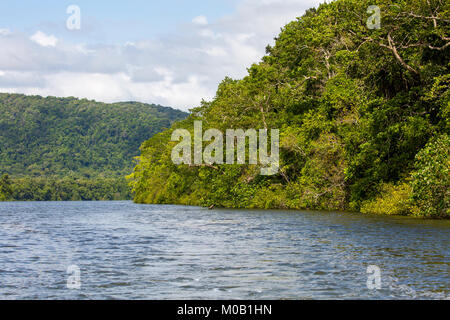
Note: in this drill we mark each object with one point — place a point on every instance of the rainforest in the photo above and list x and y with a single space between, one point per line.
54 149
363 116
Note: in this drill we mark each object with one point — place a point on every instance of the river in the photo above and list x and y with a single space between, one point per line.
128 251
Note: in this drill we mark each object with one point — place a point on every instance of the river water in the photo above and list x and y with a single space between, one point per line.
128 251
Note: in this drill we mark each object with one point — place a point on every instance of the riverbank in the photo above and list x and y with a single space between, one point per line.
414 214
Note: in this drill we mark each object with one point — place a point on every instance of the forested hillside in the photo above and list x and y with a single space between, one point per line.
83 147
363 116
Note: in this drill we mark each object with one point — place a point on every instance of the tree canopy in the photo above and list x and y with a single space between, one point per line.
72 142
357 109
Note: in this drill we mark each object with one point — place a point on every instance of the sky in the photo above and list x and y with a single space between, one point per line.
172 52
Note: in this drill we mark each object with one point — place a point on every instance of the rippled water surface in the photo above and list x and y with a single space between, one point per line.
129 251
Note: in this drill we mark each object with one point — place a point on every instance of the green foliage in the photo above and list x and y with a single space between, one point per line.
65 148
354 106
69 189
431 181
394 200
5 188
62 136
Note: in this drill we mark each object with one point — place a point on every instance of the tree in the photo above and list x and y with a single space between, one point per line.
431 181
353 105
5 188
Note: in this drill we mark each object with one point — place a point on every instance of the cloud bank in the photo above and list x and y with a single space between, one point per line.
174 70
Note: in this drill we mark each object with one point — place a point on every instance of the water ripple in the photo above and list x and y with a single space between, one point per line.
128 251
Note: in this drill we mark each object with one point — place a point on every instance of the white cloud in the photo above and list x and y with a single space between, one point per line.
44 40
200 20
175 70
215 51
5 32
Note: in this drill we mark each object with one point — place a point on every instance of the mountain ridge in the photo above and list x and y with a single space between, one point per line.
55 148
73 127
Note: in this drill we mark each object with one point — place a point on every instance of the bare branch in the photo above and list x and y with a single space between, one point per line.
439 48
393 48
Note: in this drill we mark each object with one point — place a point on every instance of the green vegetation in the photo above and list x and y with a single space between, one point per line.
69 189
5 188
393 200
363 117
431 182
71 149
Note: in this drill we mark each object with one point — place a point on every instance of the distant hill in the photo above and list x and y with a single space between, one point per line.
62 137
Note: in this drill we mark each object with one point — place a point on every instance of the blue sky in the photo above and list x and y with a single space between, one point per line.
172 52
117 20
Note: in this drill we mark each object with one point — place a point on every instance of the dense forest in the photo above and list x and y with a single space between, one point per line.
363 115
70 149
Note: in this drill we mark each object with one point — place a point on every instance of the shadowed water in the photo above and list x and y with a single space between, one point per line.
129 251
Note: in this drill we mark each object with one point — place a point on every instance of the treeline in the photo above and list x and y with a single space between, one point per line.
63 189
363 117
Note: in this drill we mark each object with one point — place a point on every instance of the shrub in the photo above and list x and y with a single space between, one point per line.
5 188
431 182
394 200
